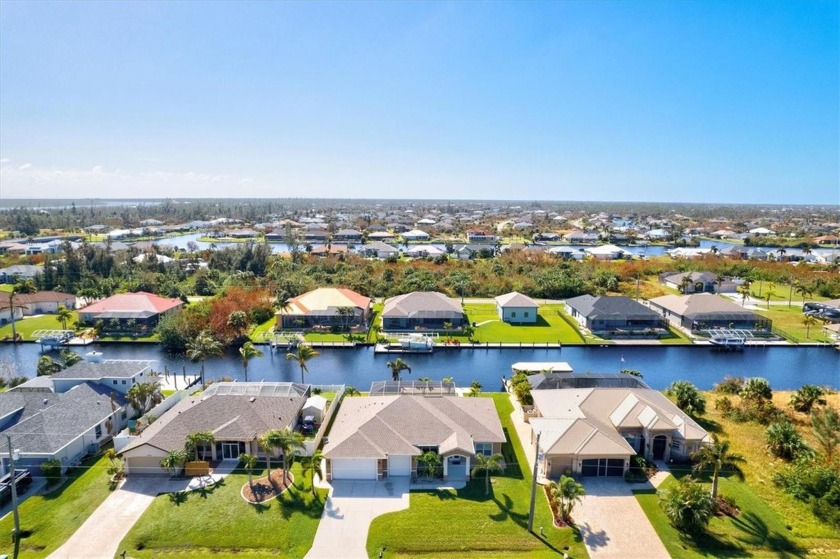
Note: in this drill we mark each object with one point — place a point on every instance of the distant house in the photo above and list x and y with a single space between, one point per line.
322 308
41 302
479 236
593 432
20 272
145 309
471 251
236 413
378 437
608 252
378 249
697 282
567 253
424 251
348 236
115 375
325 250
415 235
704 311
421 310
581 237
516 308
612 313
762 232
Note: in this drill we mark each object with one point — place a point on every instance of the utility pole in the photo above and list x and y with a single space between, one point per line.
534 485
14 488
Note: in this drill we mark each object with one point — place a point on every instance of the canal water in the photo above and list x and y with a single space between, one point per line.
787 368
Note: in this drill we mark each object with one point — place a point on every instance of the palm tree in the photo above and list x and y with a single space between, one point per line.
475 388
768 296
808 320
808 396
288 442
63 314
351 391
21 288
248 351
566 493
313 465
200 439
487 464
174 461
238 320
203 347
717 457
249 463
70 358
144 395
397 366
825 423
269 443
303 354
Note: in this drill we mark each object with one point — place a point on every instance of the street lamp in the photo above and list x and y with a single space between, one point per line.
14 455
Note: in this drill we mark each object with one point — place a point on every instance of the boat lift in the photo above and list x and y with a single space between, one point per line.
51 340
286 340
730 338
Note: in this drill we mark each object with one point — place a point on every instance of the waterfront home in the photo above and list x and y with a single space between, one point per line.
516 308
236 413
421 310
347 236
415 235
705 311
593 432
608 252
612 314
377 437
322 308
40 302
378 249
325 250
479 236
20 272
697 282
116 375
424 251
581 237
137 312
567 253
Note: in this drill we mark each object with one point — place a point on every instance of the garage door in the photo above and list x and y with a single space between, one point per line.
144 465
399 465
602 467
346 468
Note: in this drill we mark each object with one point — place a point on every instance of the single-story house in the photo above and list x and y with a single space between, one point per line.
376 437
478 236
416 235
13 274
324 250
236 413
516 308
66 426
421 310
608 252
609 313
145 309
378 249
322 308
567 253
41 302
697 282
424 251
347 236
593 432
705 311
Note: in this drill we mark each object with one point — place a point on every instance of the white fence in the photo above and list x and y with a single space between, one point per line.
312 445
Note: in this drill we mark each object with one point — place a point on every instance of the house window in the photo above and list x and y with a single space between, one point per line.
123 382
631 439
115 382
98 431
513 314
124 415
676 445
484 448
527 314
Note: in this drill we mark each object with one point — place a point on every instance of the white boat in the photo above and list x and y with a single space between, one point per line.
416 342
728 342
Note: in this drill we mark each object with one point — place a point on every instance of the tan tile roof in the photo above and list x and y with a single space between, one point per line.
325 298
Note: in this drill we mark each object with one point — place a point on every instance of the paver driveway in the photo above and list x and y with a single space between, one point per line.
613 523
350 508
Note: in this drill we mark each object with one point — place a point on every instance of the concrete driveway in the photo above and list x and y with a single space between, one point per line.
613 523
350 508
103 531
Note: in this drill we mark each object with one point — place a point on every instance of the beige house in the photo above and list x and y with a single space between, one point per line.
376 437
595 431
324 308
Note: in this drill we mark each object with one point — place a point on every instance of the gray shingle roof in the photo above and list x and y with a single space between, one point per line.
377 426
106 369
611 307
421 303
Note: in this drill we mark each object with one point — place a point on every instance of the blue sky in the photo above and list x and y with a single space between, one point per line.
651 101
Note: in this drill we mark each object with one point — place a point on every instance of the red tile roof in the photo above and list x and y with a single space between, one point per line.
134 302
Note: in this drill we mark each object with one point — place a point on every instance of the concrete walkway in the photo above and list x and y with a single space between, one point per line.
101 534
613 523
350 508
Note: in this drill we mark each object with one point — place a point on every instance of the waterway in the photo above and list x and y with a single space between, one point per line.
786 368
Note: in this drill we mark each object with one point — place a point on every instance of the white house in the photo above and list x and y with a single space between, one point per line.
516 308
415 235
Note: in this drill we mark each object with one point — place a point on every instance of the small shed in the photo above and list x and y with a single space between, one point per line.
315 406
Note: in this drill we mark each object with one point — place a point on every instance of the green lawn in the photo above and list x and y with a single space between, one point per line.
263 332
376 310
27 325
52 518
789 321
220 523
7 287
781 292
549 328
676 337
467 523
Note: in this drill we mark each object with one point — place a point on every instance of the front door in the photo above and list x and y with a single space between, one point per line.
659 442
230 451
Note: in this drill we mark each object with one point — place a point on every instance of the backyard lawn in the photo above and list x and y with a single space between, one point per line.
549 328
467 523
52 518
218 522
789 321
771 523
27 325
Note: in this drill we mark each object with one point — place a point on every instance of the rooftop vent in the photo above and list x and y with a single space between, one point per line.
252 399
46 401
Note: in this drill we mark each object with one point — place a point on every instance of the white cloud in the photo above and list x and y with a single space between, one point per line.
25 166
5 160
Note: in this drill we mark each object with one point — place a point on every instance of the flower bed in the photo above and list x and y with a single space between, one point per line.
555 512
266 488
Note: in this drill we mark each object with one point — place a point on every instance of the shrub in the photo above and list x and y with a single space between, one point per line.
784 441
258 315
723 405
689 506
756 389
51 470
687 397
730 385
816 483
804 399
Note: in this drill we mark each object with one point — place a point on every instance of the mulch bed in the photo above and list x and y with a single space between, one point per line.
266 488
555 512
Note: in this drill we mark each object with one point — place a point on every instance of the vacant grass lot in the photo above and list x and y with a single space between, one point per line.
52 518
468 523
772 523
549 328
27 325
789 321
218 522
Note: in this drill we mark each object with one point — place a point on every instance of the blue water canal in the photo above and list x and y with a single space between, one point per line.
785 367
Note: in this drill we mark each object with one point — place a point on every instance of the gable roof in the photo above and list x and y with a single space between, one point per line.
516 299
419 304
378 426
86 370
606 306
140 303
700 304
326 300
694 277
